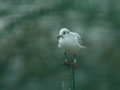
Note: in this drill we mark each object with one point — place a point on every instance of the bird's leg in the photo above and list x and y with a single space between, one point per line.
66 62
75 62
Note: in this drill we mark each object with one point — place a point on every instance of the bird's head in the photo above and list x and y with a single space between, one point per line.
63 32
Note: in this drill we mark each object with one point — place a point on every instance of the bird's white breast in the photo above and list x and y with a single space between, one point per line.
69 44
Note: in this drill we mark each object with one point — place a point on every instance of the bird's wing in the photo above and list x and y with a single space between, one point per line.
78 37
80 41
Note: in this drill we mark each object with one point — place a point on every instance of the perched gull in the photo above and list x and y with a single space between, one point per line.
69 42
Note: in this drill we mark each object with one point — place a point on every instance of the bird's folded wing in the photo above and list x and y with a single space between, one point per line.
78 37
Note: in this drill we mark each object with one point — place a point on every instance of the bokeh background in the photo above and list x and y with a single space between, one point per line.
29 57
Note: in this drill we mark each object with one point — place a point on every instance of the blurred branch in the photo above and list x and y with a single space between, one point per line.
33 15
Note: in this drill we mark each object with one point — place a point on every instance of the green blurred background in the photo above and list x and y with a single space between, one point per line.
29 57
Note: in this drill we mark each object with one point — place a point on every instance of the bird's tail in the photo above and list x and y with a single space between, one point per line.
82 47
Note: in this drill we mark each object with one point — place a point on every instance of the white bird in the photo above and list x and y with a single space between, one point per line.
69 42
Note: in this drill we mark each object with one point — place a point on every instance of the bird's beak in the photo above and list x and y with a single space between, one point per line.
59 36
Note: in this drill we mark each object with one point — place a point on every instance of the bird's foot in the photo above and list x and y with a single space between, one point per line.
75 65
66 63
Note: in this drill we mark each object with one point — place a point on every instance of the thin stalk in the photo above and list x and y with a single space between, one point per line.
73 79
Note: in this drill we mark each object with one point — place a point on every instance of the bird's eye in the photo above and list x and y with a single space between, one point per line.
64 33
